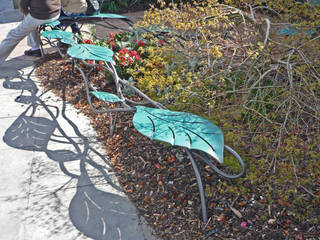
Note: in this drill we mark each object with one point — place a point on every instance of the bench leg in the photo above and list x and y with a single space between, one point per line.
113 121
200 185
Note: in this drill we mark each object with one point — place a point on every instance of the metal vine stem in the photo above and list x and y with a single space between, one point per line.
126 105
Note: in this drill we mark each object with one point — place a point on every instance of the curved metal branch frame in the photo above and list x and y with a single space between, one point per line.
191 155
123 106
127 105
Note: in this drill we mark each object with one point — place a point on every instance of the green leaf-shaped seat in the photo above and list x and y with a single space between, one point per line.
95 16
91 52
156 28
53 23
84 18
65 37
180 129
106 97
292 32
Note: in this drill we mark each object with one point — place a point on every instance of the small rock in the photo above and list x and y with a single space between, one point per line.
180 157
271 221
219 208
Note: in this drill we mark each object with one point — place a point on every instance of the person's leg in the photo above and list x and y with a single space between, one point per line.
28 25
75 28
15 36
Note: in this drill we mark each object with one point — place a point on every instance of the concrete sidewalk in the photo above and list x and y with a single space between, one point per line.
55 180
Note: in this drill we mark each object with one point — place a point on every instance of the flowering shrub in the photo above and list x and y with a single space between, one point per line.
126 57
125 48
232 67
188 65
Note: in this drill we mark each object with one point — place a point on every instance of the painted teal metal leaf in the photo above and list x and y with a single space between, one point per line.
95 16
53 24
65 37
180 129
110 15
91 52
289 31
106 97
156 28
292 32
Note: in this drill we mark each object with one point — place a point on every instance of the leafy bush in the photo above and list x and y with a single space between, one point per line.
230 64
194 41
125 5
117 5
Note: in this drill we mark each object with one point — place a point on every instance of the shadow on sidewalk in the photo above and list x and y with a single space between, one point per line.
15 67
97 214
10 15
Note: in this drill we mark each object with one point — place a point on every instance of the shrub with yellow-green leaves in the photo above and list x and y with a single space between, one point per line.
301 13
201 45
230 64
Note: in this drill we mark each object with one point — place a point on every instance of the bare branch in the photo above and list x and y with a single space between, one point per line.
267 32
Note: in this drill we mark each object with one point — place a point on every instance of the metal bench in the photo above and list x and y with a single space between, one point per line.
66 21
200 138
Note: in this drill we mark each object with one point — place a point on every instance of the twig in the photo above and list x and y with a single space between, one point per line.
267 32
262 76
207 223
237 10
298 184
294 169
270 9
253 110
251 12
308 191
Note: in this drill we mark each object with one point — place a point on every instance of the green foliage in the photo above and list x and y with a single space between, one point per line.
265 93
304 14
115 6
262 89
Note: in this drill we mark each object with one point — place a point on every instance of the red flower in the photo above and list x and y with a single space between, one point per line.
101 63
121 52
111 34
161 42
137 57
133 53
141 43
159 65
90 61
122 63
87 41
122 58
134 40
112 43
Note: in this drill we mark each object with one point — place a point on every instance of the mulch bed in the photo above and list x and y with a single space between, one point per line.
160 180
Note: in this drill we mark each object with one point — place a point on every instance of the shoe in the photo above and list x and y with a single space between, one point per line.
34 53
75 29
